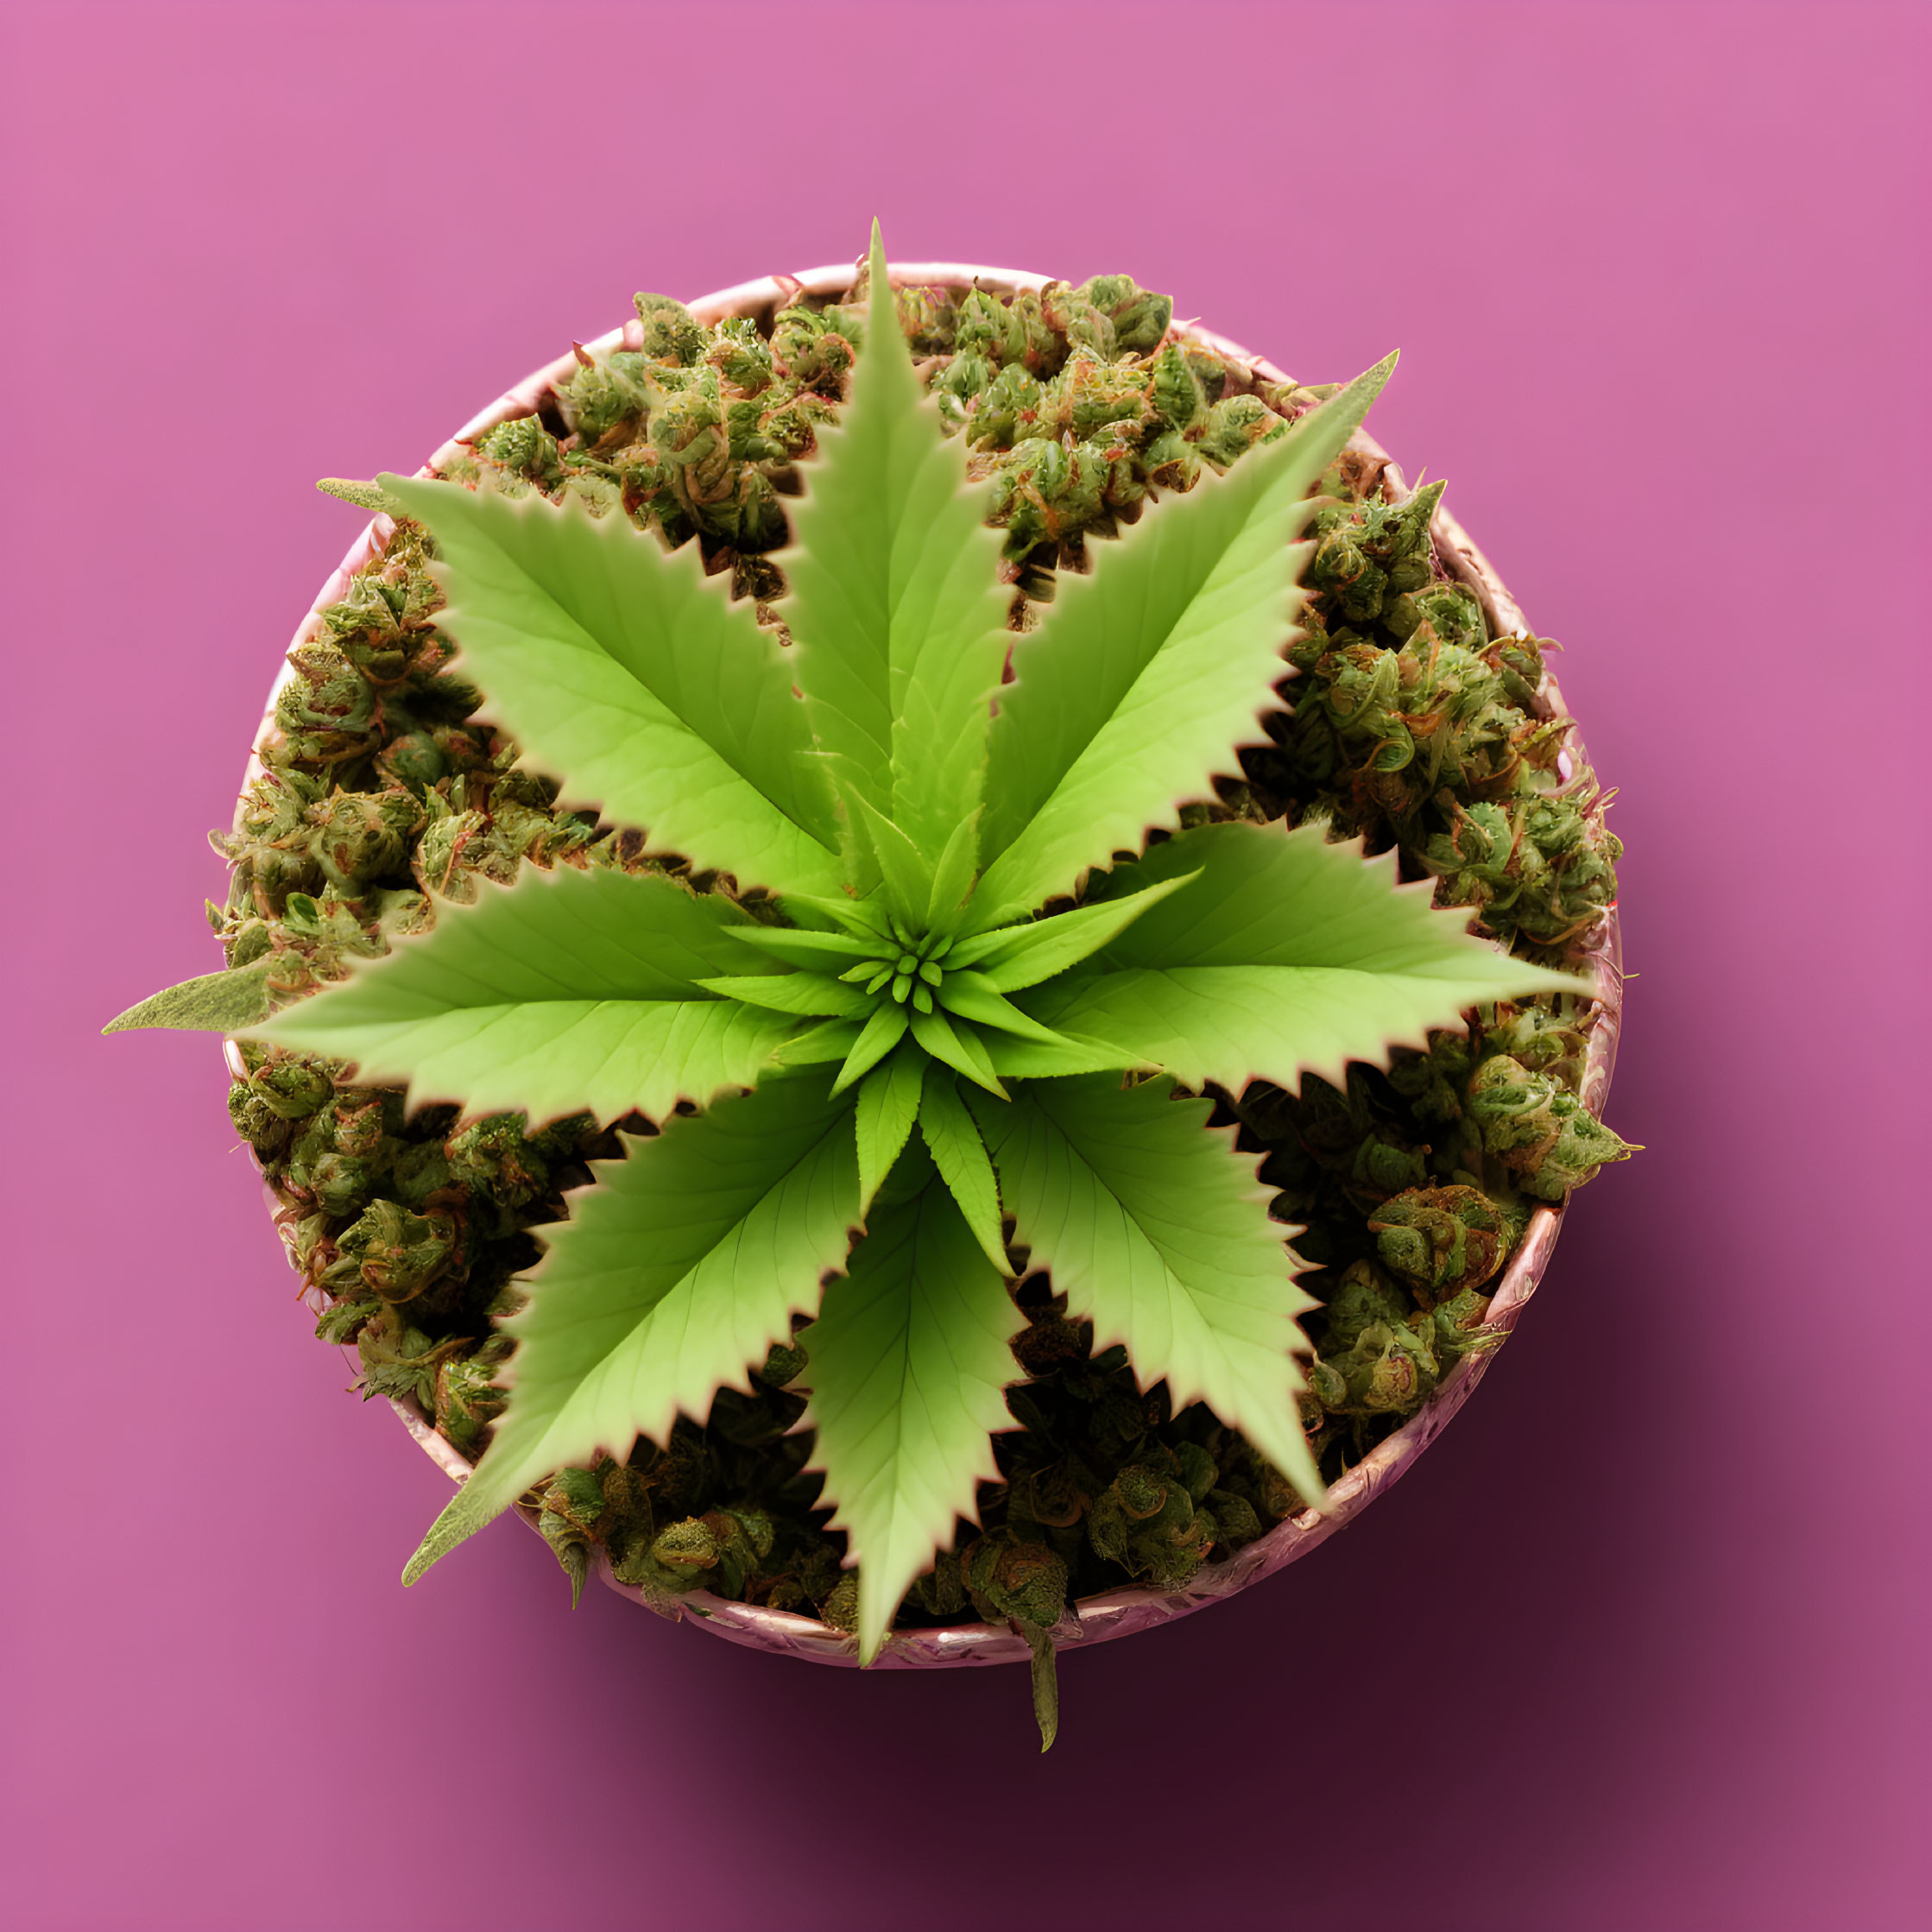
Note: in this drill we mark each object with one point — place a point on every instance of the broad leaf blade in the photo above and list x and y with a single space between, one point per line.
960 1155
222 1002
630 674
1147 673
895 606
1157 1232
1283 956
910 1357
567 992
685 1262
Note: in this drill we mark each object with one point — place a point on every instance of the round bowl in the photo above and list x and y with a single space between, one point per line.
1117 1613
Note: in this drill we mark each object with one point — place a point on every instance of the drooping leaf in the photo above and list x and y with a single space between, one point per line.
567 992
1145 674
960 1155
222 1002
1020 956
909 1357
888 1105
624 670
685 1262
1157 1233
1283 955
895 607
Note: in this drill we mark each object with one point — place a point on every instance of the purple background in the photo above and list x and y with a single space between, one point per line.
1638 1644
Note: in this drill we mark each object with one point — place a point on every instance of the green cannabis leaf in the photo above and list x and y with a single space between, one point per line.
912 1037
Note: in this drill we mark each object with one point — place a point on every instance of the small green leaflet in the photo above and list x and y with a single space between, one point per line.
909 1360
1022 956
568 992
888 1105
687 1261
222 1002
1157 1233
955 1145
1280 955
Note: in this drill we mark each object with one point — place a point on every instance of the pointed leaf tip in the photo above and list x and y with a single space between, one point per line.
223 1002
363 495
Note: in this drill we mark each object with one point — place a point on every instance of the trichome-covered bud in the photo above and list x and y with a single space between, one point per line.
400 1361
360 836
573 1506
1139 316
1043 491
1147 1521
494 1156
1091 395
1175 392
840 1606
608 397
1382 1350
1432 1083
740 356
808 350
1016 1577
1536 1038
291 1086
668 332
328 712
266 1132
1442 1238
1070 313
1008 411
1459 1326
391 1251
467 1399
524 446
1538 1129
1235 426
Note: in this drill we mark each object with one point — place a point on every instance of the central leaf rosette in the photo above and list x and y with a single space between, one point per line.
971 971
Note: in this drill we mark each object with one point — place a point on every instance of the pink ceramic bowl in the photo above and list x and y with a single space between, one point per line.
1113 1613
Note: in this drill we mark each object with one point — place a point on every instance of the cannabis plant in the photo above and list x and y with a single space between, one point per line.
935 995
